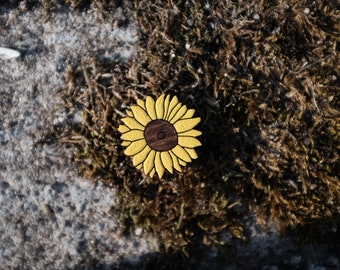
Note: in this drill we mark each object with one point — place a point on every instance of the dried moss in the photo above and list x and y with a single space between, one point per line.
176 207
262 75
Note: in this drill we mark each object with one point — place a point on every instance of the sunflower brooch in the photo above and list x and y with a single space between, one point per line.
159 135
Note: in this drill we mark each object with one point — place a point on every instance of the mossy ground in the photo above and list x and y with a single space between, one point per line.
264 78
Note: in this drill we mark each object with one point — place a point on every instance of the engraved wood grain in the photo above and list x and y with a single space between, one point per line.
160 135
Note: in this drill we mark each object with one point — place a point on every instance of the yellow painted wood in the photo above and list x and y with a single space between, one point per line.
174 111
152 173
141 103
140 157
192 153
149 162
129 113
126 143
123 129
139 166
190 113
160 107
166 105
175 162
186 124
133 135
182 162
159 165
132 123
178 115
140 115
181 153
174 101
190 133
150 107
189 142
167 161
135 147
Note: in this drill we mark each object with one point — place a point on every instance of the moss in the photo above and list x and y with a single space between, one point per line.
263 78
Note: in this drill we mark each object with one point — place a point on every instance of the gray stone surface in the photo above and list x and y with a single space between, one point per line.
49 217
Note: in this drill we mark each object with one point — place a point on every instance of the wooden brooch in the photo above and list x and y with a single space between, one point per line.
159 135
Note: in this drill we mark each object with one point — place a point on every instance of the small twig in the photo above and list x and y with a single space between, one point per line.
312 92
180 217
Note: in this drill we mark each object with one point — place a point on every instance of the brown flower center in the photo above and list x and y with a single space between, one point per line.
160 135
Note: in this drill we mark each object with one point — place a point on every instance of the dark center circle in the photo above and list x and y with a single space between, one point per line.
160 135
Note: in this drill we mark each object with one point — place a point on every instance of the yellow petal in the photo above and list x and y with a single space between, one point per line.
140 115
125 143
139 166
133 135
186 124
167 161
132 123
140 157
150 108
160 107
152 173
166 105
175 161
191 133
173 103
158 165
174 110
135 147
178 115
181 153
141 103
189 142
182 162
190 113
123 128
149 162
129 113
192 153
